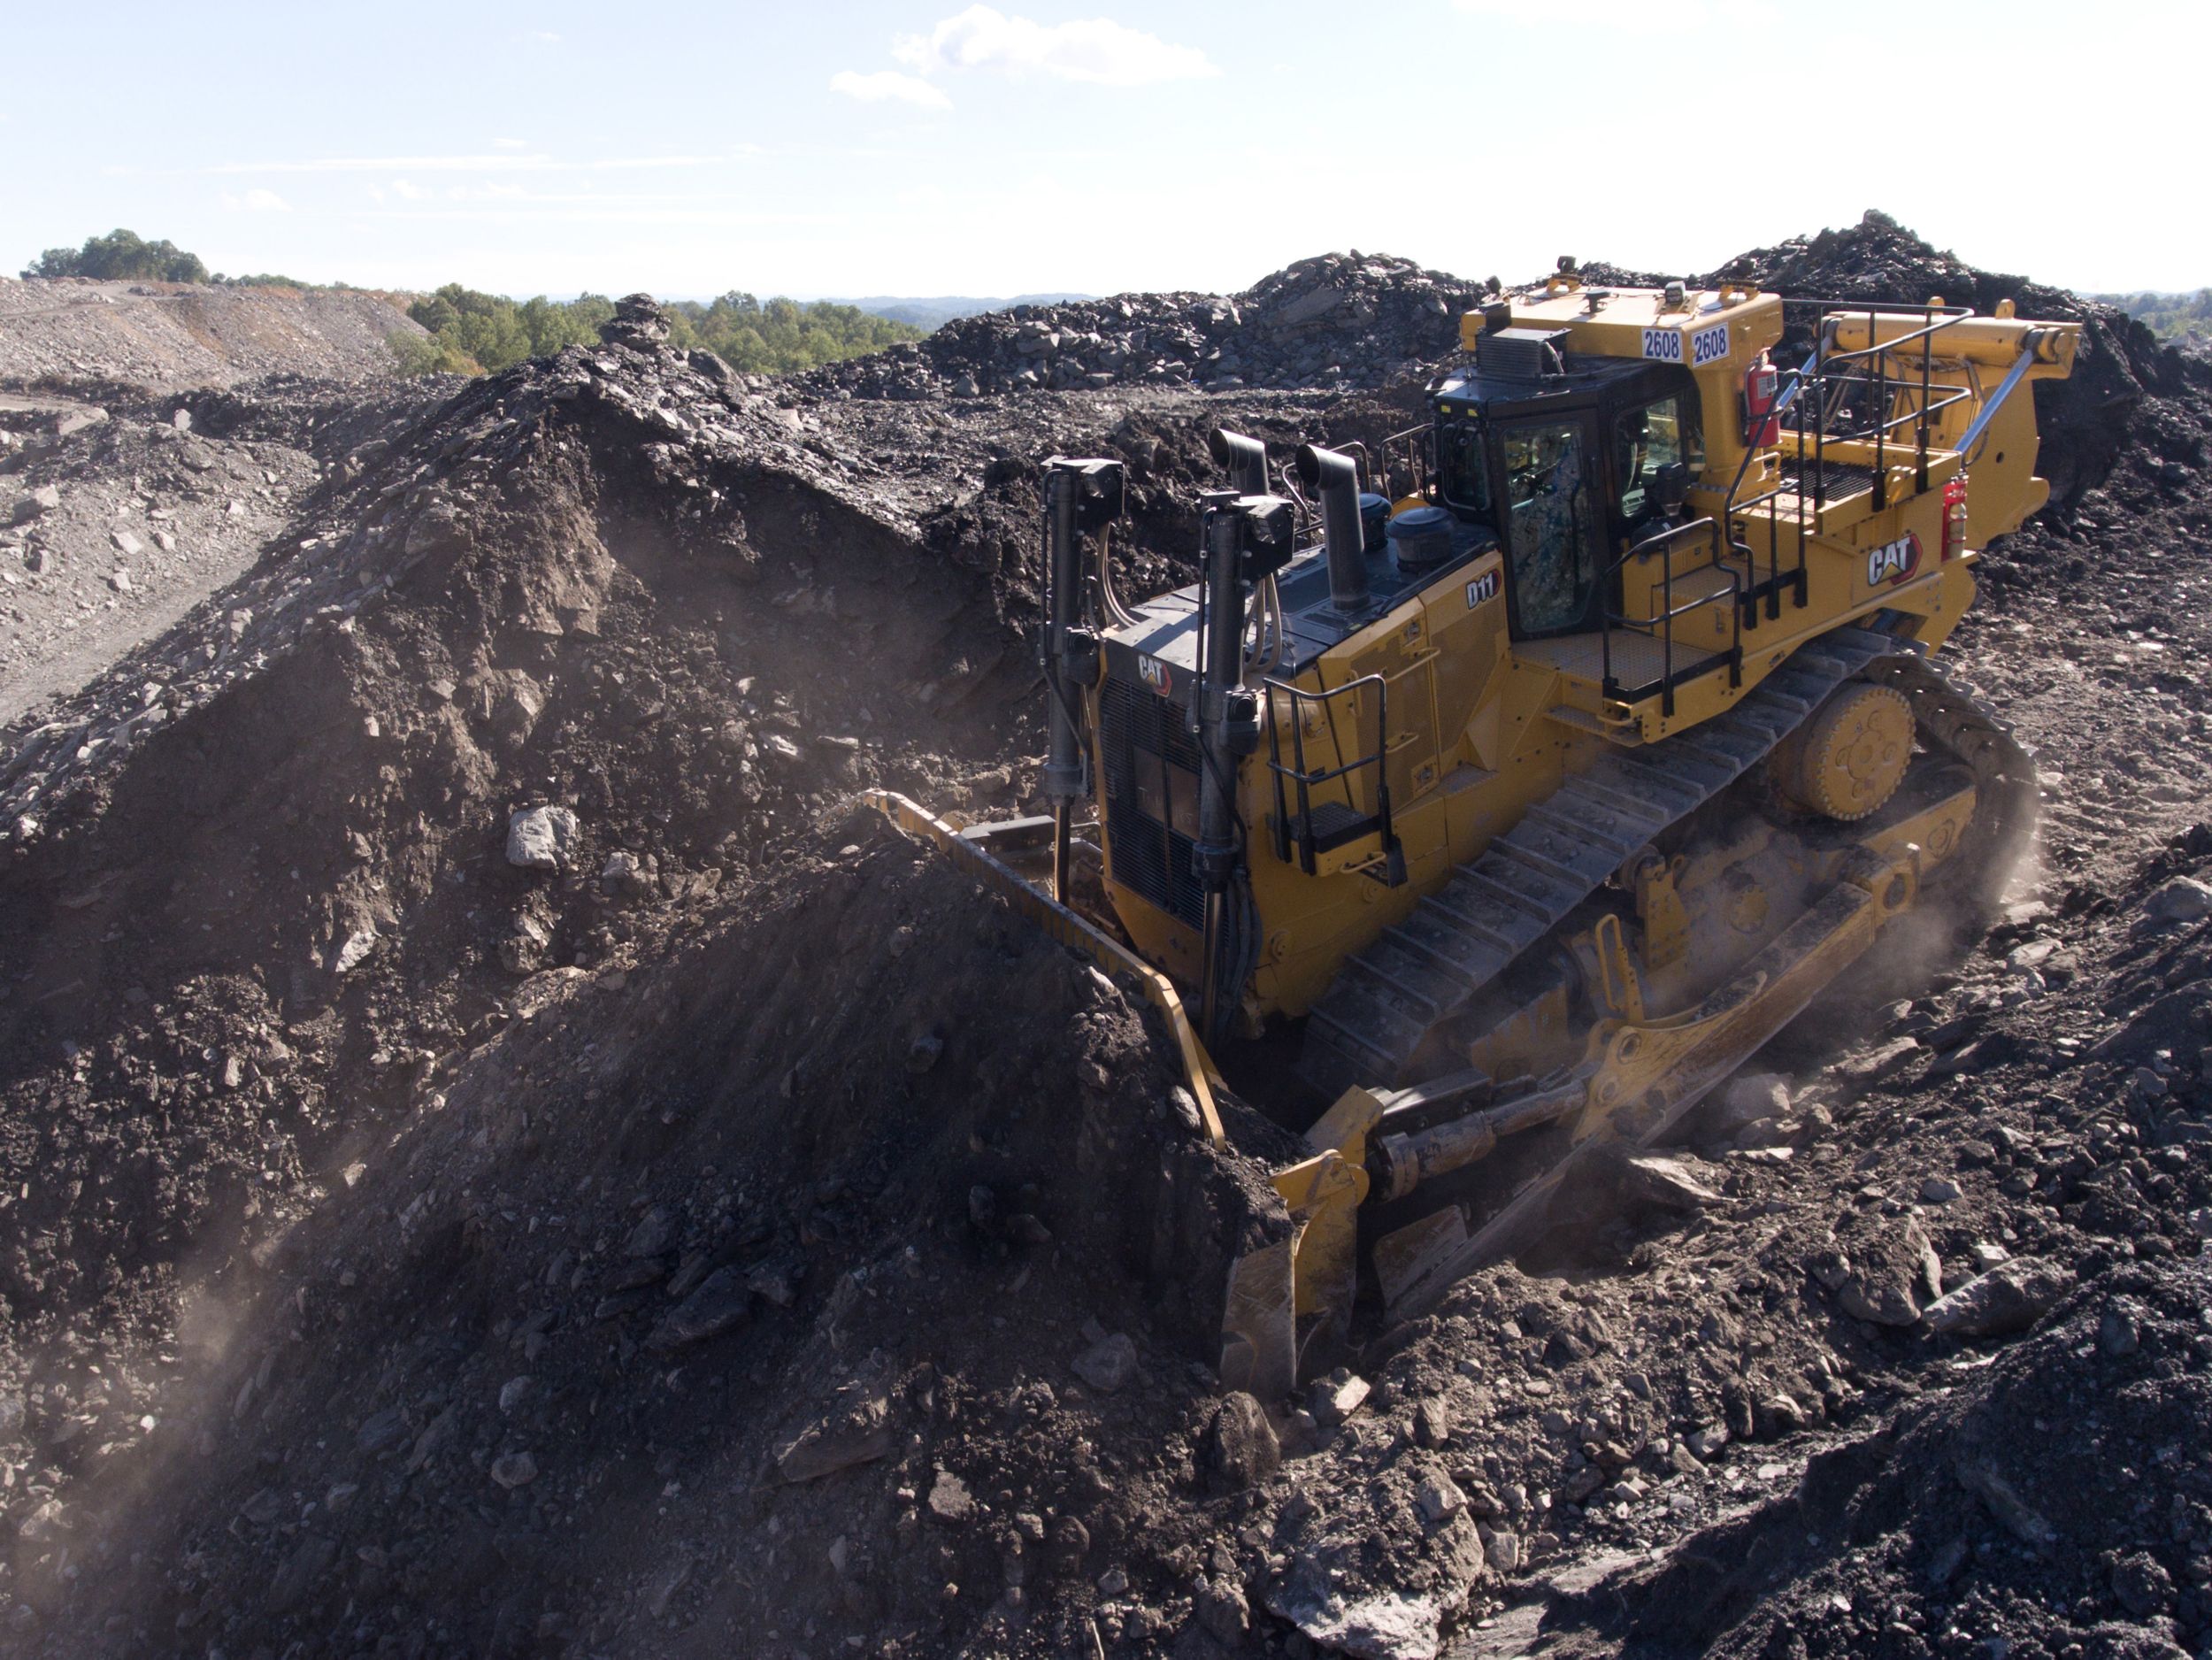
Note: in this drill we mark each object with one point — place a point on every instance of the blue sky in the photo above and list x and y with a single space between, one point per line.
923 148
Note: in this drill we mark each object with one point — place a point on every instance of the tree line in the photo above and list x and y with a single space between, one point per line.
473 333
2167 316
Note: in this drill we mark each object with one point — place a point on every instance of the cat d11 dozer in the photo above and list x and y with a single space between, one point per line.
1491 798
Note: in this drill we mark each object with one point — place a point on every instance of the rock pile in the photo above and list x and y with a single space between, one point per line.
1335 320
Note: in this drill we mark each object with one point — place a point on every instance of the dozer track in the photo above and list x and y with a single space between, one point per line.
1371 1024
1971 877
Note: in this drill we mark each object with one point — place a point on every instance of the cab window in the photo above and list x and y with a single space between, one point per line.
1466 468
1644 439
1550 541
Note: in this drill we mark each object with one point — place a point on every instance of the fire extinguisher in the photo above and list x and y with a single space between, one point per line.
1762 390
1954 515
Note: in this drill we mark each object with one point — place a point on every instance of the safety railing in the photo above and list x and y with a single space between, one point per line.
1301 830
1409 455
1659 626
1857 397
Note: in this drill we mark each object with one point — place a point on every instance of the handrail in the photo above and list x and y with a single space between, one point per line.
1662 545
1420 457
1306 779
1830 376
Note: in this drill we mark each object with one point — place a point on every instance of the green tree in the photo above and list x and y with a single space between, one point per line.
121 256
473 332
419 356
2169 316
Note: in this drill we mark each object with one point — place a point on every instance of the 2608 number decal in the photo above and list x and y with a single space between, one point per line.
1707 345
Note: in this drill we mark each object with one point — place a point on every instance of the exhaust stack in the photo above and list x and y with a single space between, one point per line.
1080 495
1247 541
1335 476
1243 459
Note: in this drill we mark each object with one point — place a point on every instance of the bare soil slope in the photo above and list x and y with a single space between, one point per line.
163 337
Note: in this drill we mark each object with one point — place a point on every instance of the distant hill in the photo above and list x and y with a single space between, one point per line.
934 314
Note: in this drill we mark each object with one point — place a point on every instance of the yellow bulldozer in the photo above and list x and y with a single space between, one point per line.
1493 798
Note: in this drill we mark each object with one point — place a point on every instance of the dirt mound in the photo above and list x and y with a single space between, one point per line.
158 337
531 681
284 828
1338 320
700 1301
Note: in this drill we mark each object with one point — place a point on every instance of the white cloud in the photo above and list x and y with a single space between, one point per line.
1095 49
543 37
889 86
408 192
256 202
511 144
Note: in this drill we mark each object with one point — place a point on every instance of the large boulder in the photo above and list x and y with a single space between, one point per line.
2009 1298
542 838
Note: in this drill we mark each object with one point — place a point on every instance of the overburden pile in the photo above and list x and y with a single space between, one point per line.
1337 320
501 1156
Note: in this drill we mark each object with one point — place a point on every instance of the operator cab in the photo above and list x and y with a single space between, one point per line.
1569 460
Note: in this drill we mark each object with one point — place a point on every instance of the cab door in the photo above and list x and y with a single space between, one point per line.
1556 519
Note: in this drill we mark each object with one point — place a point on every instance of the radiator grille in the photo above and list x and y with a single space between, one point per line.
1151 777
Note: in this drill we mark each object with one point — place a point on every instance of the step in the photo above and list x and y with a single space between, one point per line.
1584 721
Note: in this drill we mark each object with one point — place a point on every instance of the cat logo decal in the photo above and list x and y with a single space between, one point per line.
1893 562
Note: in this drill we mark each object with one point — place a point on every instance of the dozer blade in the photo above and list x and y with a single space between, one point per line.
1071 929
